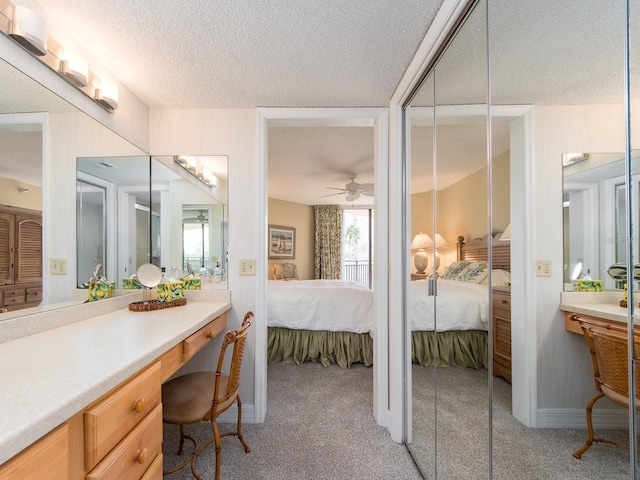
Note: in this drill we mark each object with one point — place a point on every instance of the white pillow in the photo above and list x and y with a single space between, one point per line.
499 278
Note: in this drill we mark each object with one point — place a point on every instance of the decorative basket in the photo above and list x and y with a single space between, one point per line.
150 305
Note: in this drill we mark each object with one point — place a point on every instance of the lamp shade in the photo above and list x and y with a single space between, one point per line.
441 242
421 240
506 235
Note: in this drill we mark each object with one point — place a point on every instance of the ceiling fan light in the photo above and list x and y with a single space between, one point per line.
352 196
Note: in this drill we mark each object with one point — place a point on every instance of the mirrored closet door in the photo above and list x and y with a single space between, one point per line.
449 305
555 75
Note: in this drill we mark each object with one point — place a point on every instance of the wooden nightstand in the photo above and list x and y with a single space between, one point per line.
501 298
419 276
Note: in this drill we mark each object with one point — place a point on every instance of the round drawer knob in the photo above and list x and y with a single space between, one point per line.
141 455
138 405
211 334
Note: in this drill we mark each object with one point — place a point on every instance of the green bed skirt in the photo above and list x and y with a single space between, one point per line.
466 348
298 346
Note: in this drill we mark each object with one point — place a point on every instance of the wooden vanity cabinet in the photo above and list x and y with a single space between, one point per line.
20 258
501 301
48 458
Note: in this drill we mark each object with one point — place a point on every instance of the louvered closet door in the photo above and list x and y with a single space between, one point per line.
7 236
29 249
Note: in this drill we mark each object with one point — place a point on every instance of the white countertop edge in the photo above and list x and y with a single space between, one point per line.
23 426
606 311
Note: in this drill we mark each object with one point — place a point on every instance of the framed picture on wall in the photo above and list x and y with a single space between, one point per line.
282 242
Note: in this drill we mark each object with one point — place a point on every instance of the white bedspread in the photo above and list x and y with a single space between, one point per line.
459 306
333 305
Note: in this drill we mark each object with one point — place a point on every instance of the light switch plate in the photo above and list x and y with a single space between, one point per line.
58 266
247 267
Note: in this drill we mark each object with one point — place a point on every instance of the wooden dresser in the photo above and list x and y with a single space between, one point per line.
501 298
20 258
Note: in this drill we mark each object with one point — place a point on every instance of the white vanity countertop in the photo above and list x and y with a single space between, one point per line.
48 377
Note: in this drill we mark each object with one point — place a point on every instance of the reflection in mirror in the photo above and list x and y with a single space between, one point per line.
594 213
91 230
449 184
28 149
146 199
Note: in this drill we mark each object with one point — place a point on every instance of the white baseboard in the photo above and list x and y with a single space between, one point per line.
576 418
231 415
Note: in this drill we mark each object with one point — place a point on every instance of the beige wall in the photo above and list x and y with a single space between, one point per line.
462 208
299 216
9 194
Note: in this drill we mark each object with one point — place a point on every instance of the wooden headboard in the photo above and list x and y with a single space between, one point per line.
476 251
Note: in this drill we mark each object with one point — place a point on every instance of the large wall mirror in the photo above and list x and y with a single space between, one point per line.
155 211
550 88
42 135
595 212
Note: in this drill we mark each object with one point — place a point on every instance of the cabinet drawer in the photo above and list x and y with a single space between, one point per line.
135 453
34 294
501 301
154 472
203 336
111 419
14 300
48 458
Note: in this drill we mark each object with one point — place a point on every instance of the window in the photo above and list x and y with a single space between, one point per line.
357 246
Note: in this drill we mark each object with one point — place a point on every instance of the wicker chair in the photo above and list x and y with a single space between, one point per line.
203 396
609 354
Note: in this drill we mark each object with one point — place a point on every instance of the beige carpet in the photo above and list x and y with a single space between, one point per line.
518 452
319 425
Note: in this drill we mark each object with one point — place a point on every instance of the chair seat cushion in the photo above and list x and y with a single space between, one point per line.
189 398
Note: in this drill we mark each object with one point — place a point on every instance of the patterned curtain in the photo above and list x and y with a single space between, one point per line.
328 234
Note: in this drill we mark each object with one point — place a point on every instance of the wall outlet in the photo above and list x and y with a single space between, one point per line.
543 268
247 266
57 266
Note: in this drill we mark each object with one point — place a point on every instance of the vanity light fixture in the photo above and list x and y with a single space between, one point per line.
22 190
190 166
75 71
107 95
571 158
29 30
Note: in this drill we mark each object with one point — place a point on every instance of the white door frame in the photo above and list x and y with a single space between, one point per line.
329 117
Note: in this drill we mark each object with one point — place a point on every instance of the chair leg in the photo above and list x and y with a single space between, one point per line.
216 436
181 447
244 444
590 438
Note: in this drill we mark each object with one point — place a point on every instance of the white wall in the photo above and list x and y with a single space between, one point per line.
229 132
565 377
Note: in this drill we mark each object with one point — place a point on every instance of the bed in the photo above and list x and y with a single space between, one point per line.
326 321
462 307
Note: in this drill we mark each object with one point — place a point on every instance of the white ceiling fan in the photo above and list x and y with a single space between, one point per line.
353 190
201 218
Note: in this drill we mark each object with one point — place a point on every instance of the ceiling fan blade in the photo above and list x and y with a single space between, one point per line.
368 194
336 188
366 187
332 194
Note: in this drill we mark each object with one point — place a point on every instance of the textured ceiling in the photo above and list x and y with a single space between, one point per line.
244 53
248 53
304 161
